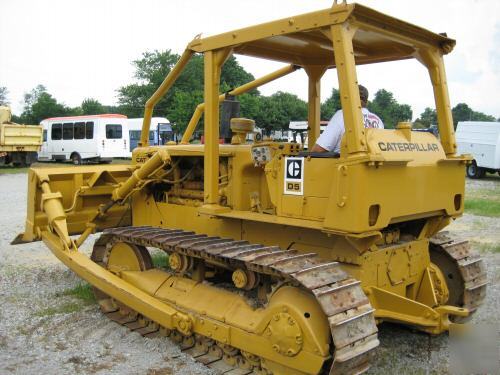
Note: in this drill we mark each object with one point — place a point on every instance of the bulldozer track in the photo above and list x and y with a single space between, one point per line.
345 305
470 267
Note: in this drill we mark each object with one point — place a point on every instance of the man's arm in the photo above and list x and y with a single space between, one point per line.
318 148
330 139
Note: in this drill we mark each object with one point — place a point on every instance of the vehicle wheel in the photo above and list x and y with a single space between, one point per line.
76 159
20 160
473 171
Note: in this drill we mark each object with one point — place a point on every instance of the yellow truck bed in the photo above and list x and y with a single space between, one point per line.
15 137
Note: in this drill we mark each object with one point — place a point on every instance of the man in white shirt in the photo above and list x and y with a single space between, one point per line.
329 140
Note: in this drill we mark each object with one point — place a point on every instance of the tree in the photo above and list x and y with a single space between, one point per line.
276 111
249 105
384 105
39 104
3 96
183 105
427 118
266 114
331 105
462 112
150 71
92 106
187 92
388 109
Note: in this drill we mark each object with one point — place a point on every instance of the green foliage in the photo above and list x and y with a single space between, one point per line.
65 308
39 105
233 75
388 109
249 105
427 118
4 95
7 169
331 105
384 105
179 103
276 111
482 207
270 112
81 291
92 106
486 247
183 106
84 294
462 112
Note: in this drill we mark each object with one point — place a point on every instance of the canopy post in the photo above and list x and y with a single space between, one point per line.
432 59
213 61
314 74
349 93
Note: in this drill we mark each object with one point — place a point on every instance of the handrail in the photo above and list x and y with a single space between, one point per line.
160 92
188 133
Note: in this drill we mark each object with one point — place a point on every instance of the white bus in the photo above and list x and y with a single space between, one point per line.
159 134
85 138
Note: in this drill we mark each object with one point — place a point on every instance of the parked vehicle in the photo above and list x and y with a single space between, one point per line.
433 129
482 141
161 132
18 143
298 131
85 138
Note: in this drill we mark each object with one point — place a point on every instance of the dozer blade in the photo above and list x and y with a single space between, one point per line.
83 190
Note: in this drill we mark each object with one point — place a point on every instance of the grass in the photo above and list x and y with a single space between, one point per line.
65 308
82 292
482 207
487 247
160 260
12 170
493 193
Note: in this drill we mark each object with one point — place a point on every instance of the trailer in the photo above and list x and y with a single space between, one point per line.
482 141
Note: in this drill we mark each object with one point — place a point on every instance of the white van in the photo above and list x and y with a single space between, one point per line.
92 138
482 141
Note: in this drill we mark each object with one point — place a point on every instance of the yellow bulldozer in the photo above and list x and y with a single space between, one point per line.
281 261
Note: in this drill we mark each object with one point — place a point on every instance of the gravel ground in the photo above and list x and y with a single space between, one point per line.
44 331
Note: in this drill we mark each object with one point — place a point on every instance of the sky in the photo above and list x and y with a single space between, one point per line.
85 48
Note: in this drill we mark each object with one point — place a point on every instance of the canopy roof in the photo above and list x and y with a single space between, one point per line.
306 39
